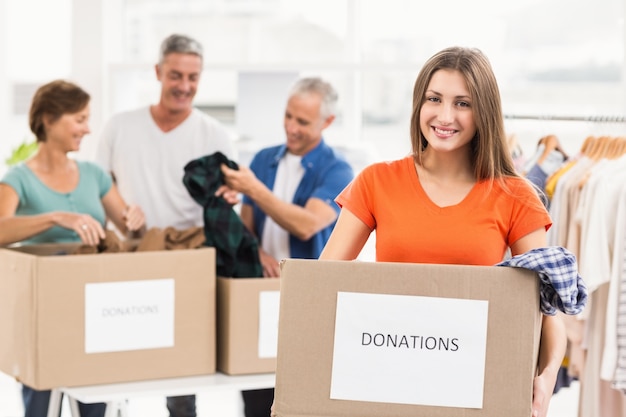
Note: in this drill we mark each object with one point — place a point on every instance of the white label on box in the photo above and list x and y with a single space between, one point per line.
269 302
129 315
409 350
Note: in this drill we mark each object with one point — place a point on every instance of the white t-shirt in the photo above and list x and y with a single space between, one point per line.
148 164
288 176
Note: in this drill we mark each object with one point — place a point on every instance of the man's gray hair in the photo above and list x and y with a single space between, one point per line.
180 44
316 85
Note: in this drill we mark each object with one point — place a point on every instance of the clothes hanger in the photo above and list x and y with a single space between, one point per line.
587 144
620 148
612 150
599 148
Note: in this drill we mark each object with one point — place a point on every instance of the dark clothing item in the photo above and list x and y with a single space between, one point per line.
36 404
258 402
237 250
537 176
182 406
563 380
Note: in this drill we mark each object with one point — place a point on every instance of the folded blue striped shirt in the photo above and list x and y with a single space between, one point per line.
560 286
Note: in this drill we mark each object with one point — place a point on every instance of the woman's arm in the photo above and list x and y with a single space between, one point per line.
347 239
551 353
14 229
553 337
533 240
17 228
125 218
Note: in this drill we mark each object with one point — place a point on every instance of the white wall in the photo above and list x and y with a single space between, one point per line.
4 90
34 49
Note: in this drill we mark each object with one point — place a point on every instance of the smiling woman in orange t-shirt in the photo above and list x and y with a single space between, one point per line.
457 198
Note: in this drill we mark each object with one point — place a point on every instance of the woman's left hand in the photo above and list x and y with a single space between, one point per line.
542 393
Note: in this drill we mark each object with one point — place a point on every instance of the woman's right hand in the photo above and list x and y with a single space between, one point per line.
88 229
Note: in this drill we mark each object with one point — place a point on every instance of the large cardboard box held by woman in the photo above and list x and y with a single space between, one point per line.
78 320
380 339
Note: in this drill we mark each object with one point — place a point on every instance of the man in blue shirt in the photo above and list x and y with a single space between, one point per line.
289 192
289 189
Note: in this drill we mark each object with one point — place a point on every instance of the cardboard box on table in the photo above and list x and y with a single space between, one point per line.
247 325
105 318
415 340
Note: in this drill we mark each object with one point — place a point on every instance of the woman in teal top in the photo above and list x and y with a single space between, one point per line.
35 197
53 198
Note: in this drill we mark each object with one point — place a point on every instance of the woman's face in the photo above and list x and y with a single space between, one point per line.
447 115
67 132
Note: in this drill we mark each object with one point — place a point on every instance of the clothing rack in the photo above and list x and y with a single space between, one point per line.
595 119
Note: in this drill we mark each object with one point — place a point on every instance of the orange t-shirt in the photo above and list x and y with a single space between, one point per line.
388 197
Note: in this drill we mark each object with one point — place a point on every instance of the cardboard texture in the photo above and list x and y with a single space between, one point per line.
42 315
238 325
308 305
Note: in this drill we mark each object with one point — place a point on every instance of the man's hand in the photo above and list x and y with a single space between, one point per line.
270 265
231 196
242 180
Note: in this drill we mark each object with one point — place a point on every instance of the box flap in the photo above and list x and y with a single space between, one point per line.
47 249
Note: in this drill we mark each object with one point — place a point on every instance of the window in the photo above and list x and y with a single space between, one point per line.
550 57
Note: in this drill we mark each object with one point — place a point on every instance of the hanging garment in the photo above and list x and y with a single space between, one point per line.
560 285
237 250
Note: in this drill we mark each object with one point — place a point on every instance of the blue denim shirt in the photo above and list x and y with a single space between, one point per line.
326 174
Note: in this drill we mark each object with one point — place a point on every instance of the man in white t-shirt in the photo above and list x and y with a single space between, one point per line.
289 192
147 149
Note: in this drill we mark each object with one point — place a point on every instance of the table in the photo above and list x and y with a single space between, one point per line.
115 395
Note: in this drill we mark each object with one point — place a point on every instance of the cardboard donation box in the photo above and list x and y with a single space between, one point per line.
407 340
105 318
247 325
